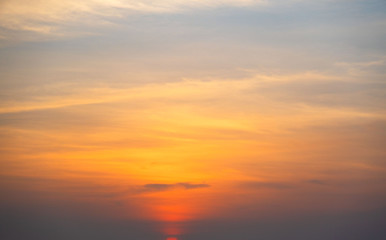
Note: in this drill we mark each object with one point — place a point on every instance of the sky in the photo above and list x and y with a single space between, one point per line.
187 120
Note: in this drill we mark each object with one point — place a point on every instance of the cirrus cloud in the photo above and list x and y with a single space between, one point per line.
58 18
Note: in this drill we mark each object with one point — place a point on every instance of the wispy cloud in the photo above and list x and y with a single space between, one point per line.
269 185
317 181
51 17
165 187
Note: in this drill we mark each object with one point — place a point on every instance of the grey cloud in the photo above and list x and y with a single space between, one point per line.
316 181
165 187
271 185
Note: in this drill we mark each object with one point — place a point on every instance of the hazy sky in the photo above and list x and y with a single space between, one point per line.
187 120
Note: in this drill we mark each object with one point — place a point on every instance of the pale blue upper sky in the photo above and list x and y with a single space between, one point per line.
91 45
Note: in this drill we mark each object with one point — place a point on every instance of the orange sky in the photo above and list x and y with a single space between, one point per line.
185 112
165 154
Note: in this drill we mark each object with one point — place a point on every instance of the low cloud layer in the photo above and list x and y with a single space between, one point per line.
317 181
270 185
166 187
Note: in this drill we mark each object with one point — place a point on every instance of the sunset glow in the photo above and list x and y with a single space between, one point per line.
187 120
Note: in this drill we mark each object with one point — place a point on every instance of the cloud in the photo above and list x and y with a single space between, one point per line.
50 17
270 185
316 181
165 187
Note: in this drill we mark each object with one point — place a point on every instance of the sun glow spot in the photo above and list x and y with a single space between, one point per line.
172 229
171 238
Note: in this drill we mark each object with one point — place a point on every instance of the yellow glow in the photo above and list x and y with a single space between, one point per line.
239 155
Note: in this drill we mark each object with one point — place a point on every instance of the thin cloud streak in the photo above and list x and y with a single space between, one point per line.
268 185
166 187
294 89
51 17
317 182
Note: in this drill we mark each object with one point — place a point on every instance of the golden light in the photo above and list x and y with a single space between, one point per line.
172 228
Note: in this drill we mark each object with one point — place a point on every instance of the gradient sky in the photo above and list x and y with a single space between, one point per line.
192 120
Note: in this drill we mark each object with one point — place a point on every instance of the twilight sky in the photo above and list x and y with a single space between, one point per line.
192 120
